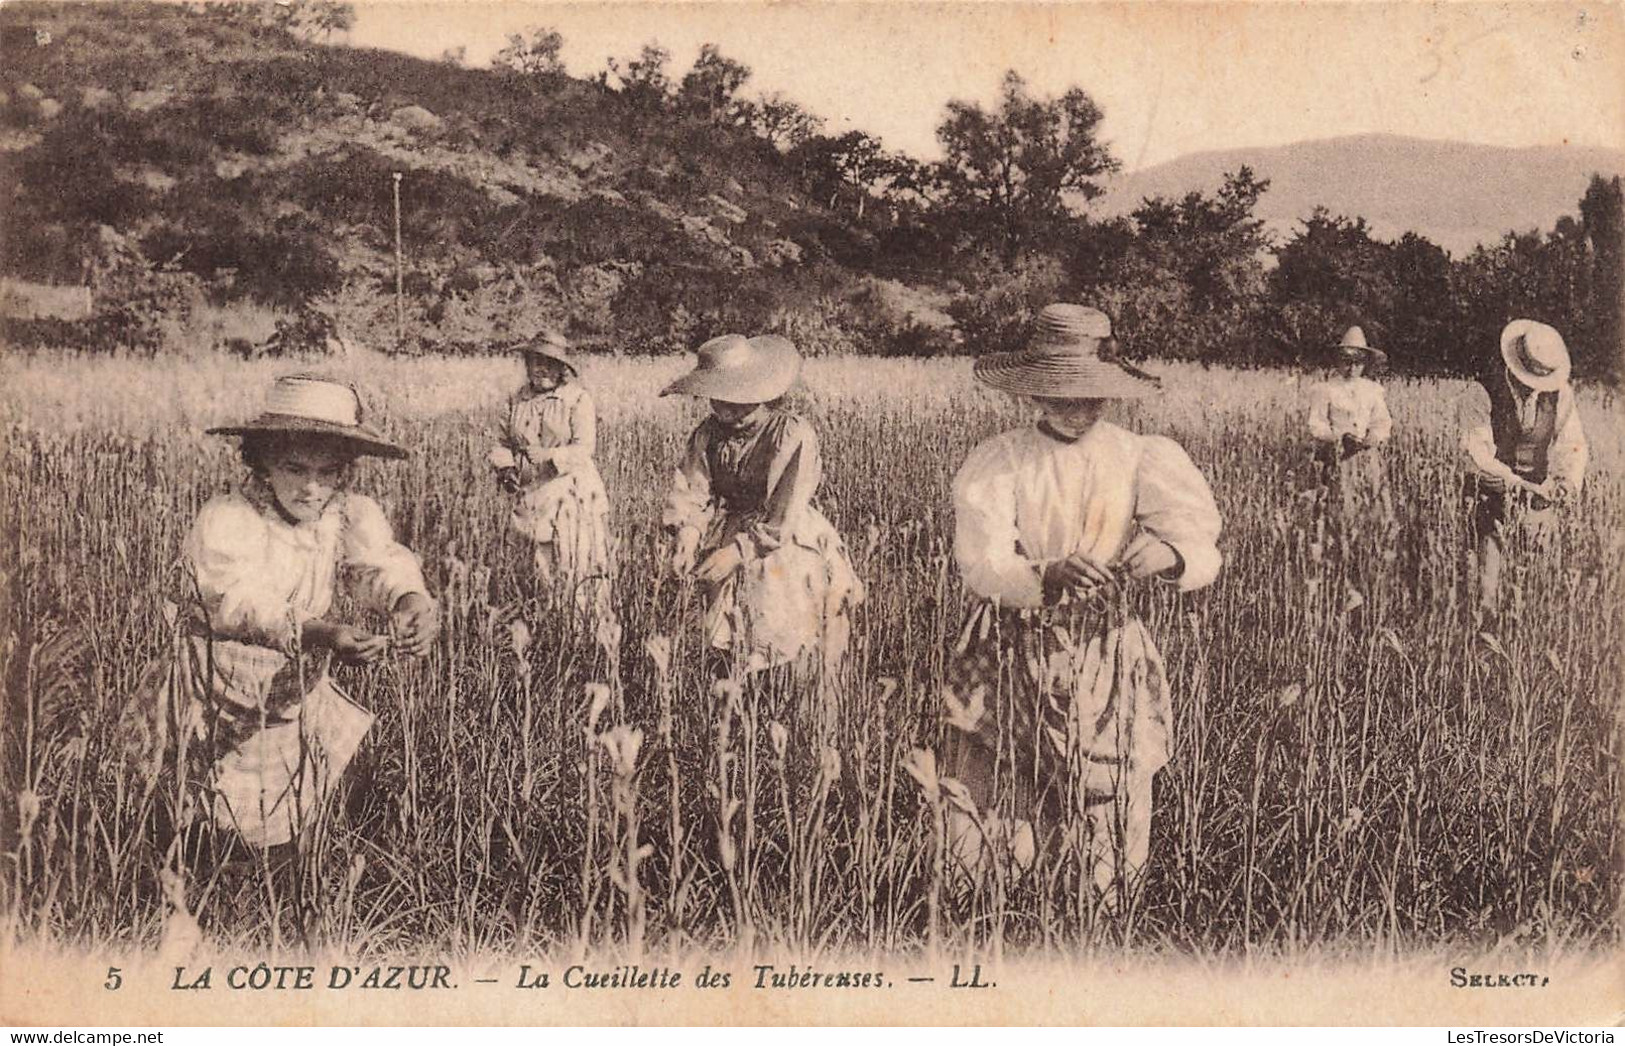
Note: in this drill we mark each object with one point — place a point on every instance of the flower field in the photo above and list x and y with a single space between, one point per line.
1342 782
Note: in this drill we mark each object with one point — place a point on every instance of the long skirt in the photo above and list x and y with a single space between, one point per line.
566 519
1058 719
792 605
262 737
1355 492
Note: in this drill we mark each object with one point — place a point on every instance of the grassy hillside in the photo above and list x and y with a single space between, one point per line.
263 165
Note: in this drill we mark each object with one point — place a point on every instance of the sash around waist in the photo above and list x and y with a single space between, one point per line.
244 677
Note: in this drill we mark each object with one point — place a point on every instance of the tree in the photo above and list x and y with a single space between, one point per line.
1570 278
1213 244
644 80
1423 329
1018 168
327 17
303 18
1331 274
854 164
709 89
536 56
1188 279
784 123
1602 220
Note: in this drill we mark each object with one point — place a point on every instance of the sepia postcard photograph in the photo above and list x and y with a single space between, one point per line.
811 513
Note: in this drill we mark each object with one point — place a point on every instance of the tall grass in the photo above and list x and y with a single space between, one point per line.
1382 781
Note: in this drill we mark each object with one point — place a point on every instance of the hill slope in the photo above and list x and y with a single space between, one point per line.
1397 184
236 160
265 165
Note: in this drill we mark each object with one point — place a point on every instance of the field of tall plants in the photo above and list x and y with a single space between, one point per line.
1384 780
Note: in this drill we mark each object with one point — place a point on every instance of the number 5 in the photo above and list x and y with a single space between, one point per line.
114 981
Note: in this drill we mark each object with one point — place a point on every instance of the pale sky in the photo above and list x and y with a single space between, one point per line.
1172 78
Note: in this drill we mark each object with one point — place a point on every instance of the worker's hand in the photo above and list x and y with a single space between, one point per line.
355 645
1079 575
720 565
1147 557
682 557
1545 489
414 623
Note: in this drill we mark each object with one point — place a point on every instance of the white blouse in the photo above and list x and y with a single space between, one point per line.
1024 499
563 421
1355 408
1566 457
261 577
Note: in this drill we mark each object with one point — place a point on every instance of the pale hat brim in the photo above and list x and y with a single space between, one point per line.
551 352
359 438
1510 336
773 368
1060 375
1350 351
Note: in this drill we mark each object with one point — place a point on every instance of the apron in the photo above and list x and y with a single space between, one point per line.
1074 707
266 736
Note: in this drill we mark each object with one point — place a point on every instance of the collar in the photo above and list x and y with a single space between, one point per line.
1056 434
747 427
258 493
1523 393
561 392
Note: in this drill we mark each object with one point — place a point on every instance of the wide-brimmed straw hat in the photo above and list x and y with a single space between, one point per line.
1069 357
302 404
552 345
1535 354
737 369
1353 346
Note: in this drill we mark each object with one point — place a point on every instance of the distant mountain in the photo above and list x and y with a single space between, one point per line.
1456 194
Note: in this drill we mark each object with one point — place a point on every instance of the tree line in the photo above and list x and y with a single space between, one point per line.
998 225
1006 210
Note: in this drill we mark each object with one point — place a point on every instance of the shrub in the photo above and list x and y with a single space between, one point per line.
996 316
139 305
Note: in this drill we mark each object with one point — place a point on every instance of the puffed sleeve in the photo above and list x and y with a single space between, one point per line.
1382 423
377 569
1320 414
688 503
986 542
577 454
1174 503
792 480
227 552
1478 436
1567 459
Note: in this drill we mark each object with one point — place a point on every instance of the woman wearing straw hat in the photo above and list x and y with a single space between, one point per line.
777 579
1058 705
1525 450
1348 420
544 458
247 697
